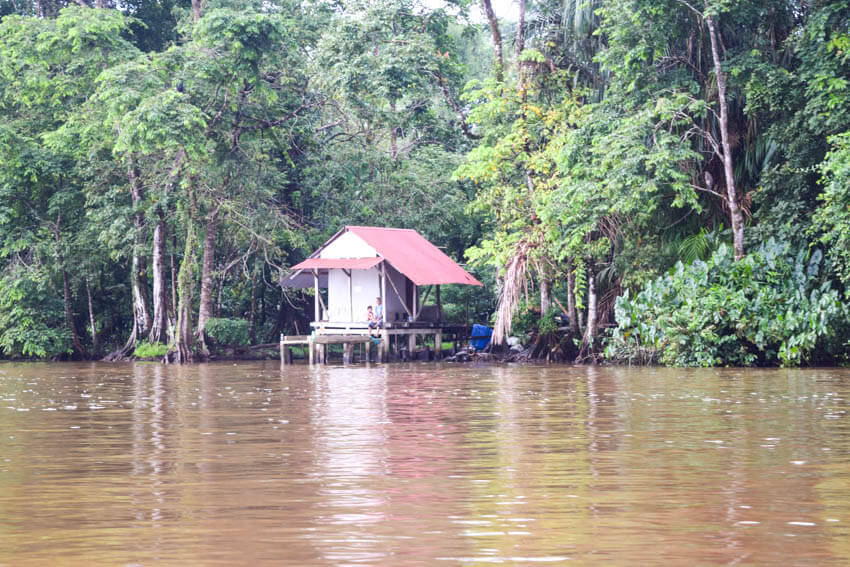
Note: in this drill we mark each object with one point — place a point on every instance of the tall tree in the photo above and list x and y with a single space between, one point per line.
49 67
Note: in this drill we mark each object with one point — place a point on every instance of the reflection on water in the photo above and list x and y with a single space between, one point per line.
423 464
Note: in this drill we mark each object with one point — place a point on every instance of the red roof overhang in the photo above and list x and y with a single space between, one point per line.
413 256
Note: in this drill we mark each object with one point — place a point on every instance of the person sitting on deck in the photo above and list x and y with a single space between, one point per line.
377 321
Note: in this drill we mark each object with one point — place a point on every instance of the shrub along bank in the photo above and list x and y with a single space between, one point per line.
773 307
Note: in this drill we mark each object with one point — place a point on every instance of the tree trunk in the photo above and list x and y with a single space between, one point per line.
219 294
571 301
141 315
205 309
735 214
497 39
588 342
173 310
393 133
520 64
197 9
545 295
161 331
138 271
139 283
262 322
183 336
185 284
159 328
138 278
66 293
94 338
128 347
591 306
520 33
69 314
252 314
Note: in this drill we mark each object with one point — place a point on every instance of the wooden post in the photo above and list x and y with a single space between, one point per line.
350 296
438 342
311 351
384 292
316 299
439 306
384 351
415 306
346 353
282 358
411 344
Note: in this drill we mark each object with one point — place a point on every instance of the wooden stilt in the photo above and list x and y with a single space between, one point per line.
385 346
346 353
438 343
316 313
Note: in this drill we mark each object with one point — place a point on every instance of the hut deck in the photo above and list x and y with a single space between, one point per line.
351 333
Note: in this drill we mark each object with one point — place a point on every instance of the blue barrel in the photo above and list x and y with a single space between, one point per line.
480 336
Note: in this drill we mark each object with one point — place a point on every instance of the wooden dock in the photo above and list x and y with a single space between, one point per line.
350 334
316 346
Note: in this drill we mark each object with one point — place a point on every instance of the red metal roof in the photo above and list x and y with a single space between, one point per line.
347 263
412 255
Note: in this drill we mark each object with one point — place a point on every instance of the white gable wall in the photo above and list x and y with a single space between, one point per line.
348 245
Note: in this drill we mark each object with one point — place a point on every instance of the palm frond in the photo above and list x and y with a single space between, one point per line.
511 292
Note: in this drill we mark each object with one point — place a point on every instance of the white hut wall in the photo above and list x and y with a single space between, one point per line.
365 287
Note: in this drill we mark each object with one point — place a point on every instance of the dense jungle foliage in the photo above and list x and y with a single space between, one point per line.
642 180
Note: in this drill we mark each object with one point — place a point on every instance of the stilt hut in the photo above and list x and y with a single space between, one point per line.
361 263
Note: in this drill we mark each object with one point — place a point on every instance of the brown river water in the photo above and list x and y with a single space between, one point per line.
422 464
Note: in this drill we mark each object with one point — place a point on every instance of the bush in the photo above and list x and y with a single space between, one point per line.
526 321
230 332
771 307
150 350
32 317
